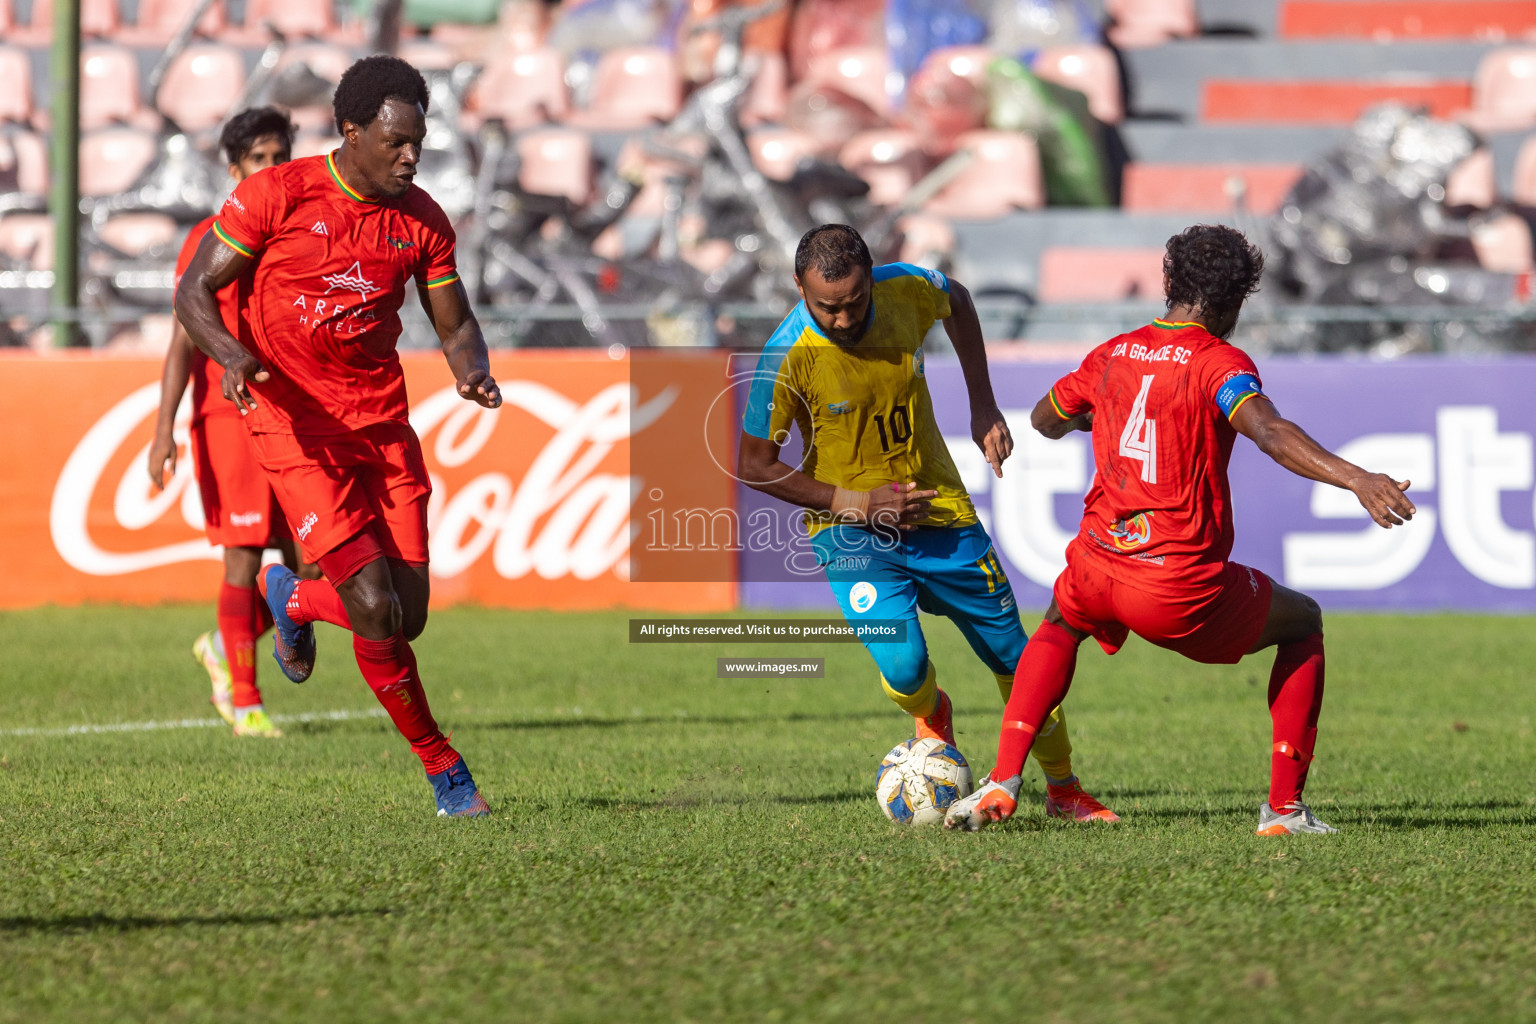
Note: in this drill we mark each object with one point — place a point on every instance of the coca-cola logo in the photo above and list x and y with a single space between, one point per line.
564 517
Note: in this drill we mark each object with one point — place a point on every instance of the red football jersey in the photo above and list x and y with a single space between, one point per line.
207 375
324 310
1159 513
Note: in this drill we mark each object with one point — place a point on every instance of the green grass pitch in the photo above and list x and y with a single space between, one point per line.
671 847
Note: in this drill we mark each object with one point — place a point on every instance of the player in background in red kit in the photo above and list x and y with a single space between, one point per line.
1165 404
239 510
329 245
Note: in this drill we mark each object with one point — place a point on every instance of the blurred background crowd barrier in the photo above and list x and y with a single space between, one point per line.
636 172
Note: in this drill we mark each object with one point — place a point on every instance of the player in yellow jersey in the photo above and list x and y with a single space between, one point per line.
890 521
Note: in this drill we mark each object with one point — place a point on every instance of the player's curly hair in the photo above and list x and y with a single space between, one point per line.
367 84
1211 268
836 250
242 131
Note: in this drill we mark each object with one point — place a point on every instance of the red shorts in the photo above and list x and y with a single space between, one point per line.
239 507
1216 623
332 487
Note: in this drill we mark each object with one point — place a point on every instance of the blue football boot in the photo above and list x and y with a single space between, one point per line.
456 794
293 645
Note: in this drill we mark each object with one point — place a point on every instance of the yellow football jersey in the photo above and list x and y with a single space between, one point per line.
863 411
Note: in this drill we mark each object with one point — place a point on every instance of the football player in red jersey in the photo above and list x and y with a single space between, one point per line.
240 512
330 244
1165 404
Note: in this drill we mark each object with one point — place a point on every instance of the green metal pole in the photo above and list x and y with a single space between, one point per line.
64 195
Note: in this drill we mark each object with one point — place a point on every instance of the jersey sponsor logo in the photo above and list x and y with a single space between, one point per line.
234 201
1132 533
1007 602
918 369
862 597
307 524
934 277
351 280
838 408
245 519
320 228
399 243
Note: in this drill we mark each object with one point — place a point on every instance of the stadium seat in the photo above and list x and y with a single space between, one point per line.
329 62
1206 188
24 162
947 96
1473 182
522 89
1089 69
312 18
111 159
1003 176
1141 23
1523 186
98 19
862 72
653 171
109 88
1324 102
427 55
1503 244
202 86
633 87
1083 274
778 151
1383 20
925 240
158 21
15 86
890 160
1504 91
768 96
555 162
27 238
135 234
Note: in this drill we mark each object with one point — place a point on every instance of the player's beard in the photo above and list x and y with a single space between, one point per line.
851 337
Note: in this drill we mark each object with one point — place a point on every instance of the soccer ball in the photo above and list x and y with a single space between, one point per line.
919 779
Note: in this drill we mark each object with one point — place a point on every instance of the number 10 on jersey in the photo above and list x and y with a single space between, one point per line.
1139 438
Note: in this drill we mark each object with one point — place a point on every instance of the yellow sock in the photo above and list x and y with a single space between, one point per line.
1004 684
1053 747
920 704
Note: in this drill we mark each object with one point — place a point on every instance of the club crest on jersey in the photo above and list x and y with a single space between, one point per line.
399 243
351 280
917 363
862 597
1133 532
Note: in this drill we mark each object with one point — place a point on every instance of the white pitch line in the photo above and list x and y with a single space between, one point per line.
343 715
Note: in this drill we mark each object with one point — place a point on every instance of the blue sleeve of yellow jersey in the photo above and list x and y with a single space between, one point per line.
761 418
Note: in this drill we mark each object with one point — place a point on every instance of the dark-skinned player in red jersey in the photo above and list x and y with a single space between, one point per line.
240 512
1165 404
331 244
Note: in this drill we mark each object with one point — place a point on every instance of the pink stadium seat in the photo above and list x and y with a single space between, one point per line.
15 86
925 239
778 151
328 61
109 86
1504 91
653 172
890 160
633 87
136 233
28 238
1206 188
862 72
1473 182
292 17
948 96
24 162
98 18
522 89
768 97
7 16
1139 23
1503 244
1089 69
202 86
557 162
159 20
1003 176
1523 188
1083 274
427 55
111 159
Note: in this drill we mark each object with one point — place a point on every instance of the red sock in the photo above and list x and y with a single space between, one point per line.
1041 682
1295 698
263 619
237 610
389 666
317 601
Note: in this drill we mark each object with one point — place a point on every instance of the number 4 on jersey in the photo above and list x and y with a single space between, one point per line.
1139 438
